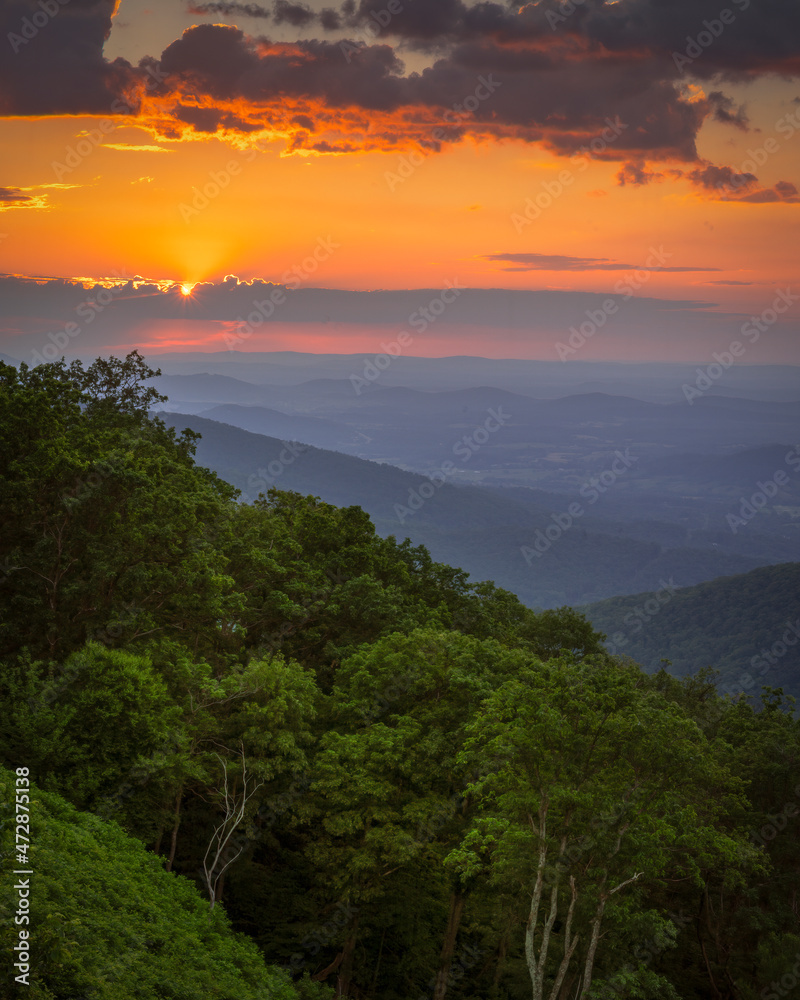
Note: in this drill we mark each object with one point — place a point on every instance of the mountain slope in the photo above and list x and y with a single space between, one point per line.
107 922
747 626
488 534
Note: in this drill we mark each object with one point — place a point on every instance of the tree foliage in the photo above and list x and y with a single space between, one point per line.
396 782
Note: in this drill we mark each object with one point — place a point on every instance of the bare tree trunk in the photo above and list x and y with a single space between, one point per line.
570 943
598 917
588 967
219 856
536 897
448 945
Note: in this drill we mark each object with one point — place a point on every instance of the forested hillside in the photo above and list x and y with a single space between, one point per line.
490 531
747 627
398 784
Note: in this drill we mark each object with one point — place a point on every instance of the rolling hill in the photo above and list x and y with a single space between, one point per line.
747 626
492 534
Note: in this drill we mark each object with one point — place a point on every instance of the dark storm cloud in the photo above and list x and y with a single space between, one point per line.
748 38
535 96
54 64
550 72
227 65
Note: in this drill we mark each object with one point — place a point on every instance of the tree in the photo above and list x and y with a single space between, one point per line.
389 791
222 850
103 512
580 801
107 922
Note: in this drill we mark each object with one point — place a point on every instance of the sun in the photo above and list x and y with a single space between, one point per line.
187 289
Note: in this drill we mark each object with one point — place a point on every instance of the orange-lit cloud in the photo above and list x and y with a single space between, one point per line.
533 75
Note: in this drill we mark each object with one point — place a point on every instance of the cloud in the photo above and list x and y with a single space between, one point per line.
496 72
127 147
783 191
760 39
560 262
59 68
637 174
727 184
28 197
710 177
230 9
725 111
296 14
36 313
14 198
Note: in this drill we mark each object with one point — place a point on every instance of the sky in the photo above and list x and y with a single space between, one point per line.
558 179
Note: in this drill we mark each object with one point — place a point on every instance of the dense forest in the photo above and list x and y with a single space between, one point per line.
747 626
262 752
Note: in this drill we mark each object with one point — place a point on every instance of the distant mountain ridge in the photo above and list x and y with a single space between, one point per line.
653 381
747 626
481 530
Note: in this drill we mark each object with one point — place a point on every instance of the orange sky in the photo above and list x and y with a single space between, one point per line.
92 196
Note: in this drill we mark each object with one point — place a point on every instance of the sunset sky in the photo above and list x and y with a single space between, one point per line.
551 150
